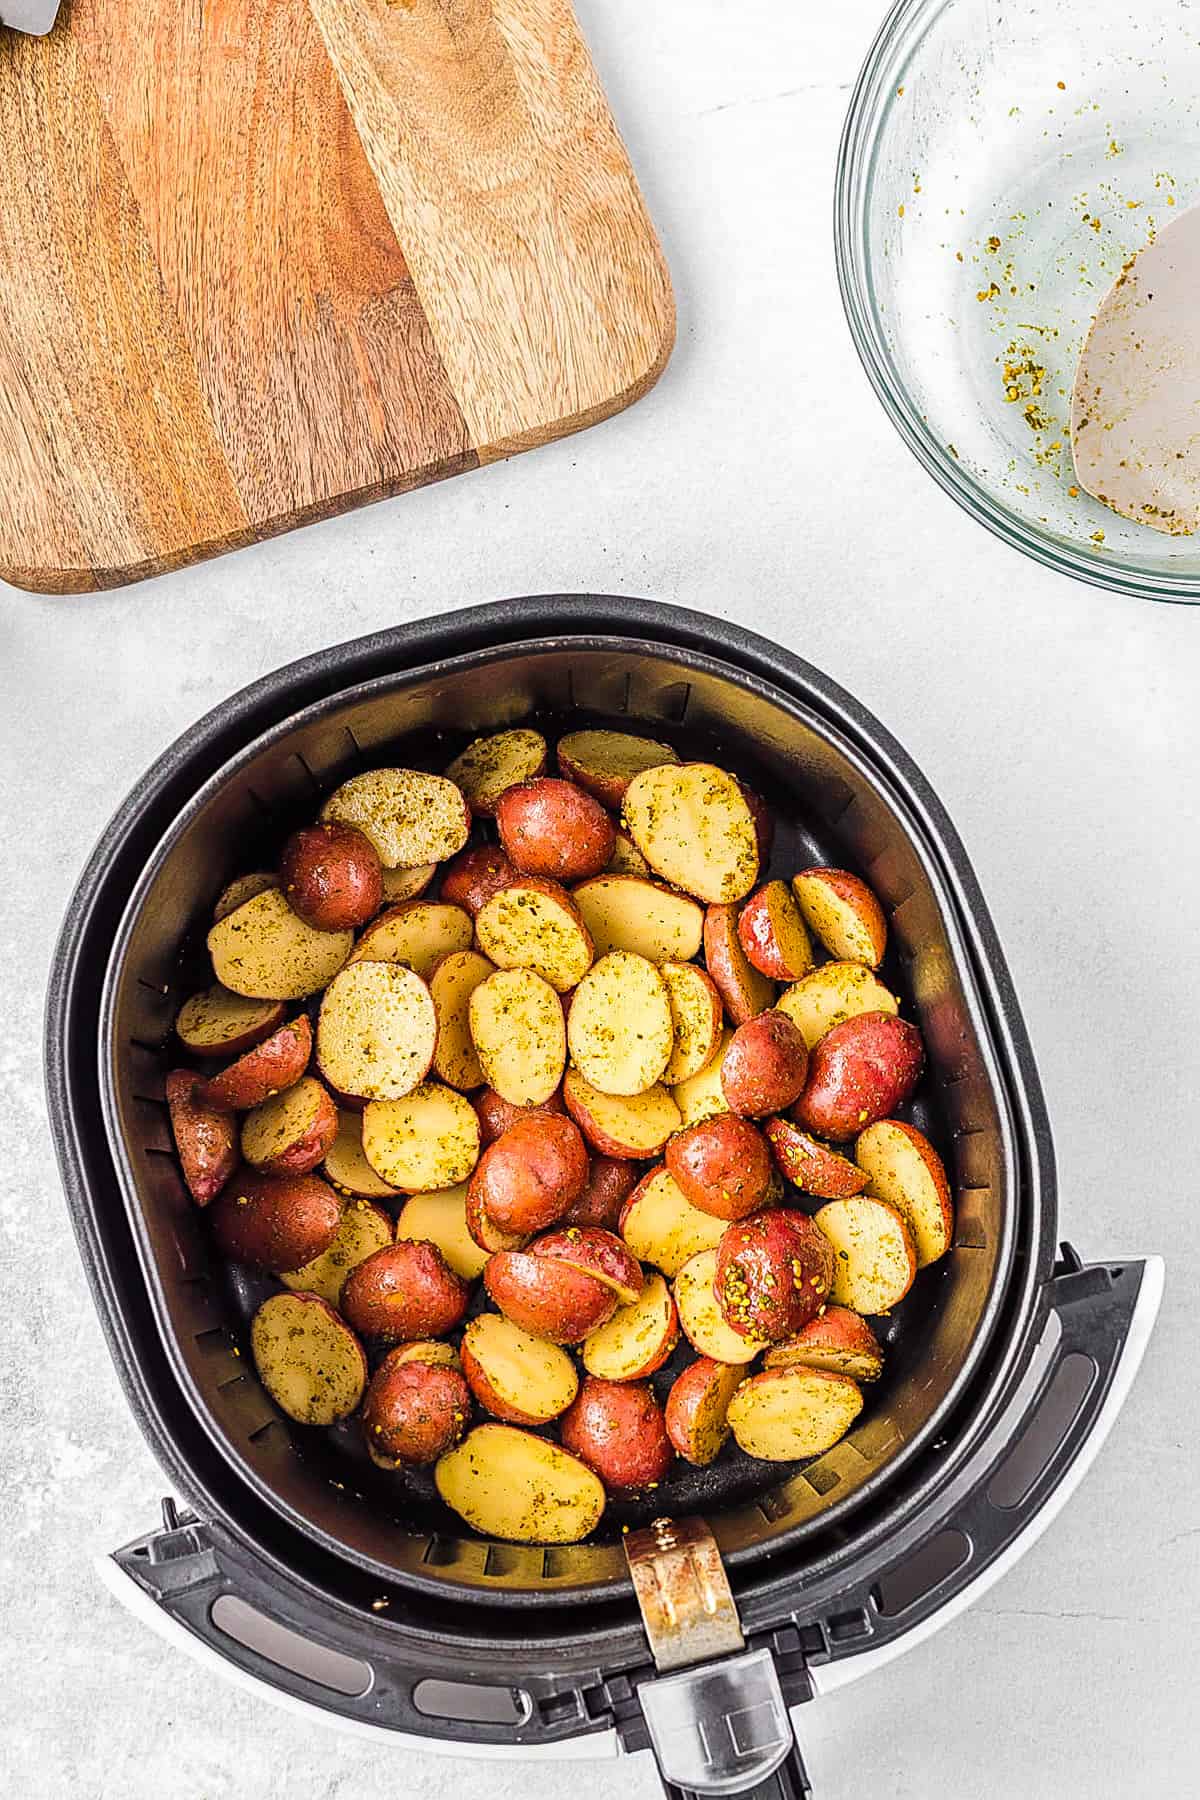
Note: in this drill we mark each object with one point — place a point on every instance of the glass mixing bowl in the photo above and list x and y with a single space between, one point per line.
1001 161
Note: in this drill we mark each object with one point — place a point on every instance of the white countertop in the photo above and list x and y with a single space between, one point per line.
1061 726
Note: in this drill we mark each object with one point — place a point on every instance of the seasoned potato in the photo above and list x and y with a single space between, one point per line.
623 912
722 1165
695 1018
440 1219
218 1023
292 1132
843 912
597 1253
637 1126
240 889
701 1096
496 1114
694 828
312 1366
552 828
859 1072
548 1297
508 1483
483 1230
520 1036
744 990
452 981
661 1226
605 762
346 1166
838 1340
620 1030
363 1229
414 1411
275 1222
616 1428
609 1184
528 1178
411 819
772 934
376 1031
331 876
876 1259
703 1322
774 1273
277 1063
265 950
407 884
638 1339
487 768
475 876
205 1137
764 824
536 925
696 1409
516 1376
782 1414
835 992
905 1170
811 1165
764 1066
424 1140
417 933
626 858
406 1290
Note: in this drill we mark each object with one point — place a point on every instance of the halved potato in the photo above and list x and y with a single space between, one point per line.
875 1256
772 933
407 884
452 981
308 1359
626 858
620 1031
547 1296
638 1339
697 1408
276 1063
346 1166
617 1429
441 1218
782 1414
377 1031
206 1137
811 1165
406 1290
519 1034
835 992
507 1483
696 1017
417 933
637 1125
700 1316
266 951
605 762
661 1226
364 1229
536 925
597 1253
694 828
844 913
701 1096
274 1222
516 1376
744 989
218 1023
623 912
491 765
415 1410
240 889
552 829
839 1340
425 1140
292 1131
411 818
905 1170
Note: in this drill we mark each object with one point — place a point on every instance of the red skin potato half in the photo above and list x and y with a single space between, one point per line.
275 1222
550 827
414 1411
205 1137
810 1165
526 1180
745 991
277 1063
722 1165
609 1185
774 1273
597 1253
332 876
859 1072
497 1115
473 876
617 1429
696 1408
764 1066
764 823
307 1152
406 1290
836 1339
549 1298
483 1229
769 918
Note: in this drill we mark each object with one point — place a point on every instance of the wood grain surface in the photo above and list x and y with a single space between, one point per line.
265 260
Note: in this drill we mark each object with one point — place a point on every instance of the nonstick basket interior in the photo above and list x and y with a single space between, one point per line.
832 805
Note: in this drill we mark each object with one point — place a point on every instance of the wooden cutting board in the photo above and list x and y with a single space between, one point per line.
262 261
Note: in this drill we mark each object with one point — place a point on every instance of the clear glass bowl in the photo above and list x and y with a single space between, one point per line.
1001 161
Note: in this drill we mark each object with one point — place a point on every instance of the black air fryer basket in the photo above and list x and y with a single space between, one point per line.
304 1570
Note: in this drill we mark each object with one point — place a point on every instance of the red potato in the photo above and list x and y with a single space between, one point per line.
605 762
218 1023
406 884
346 1166
516 1376
662 1227
452 981
694 827
411 818
772 934
275 1222
905 1170
636 1126
781 1415
424 1141
620 1031
859 1072
406 1290
842 911
701 1096
722 1166
293 1131
553 828
773 1274
704 1325
240 889
764 1066
838 1340
414 1411
496 1114
609 1184
417 934
486 769
331 876
764 824
536 925
876 1259
277 1063
597 1253
483 1230
697 1408
364 1228
440 1218
548 1297
511 1484
638 1339
310 1363
835 992
623 912
528 1178
744 990
519 1035
696 1018
811 1165
205 1138
626 858
472 879
376 1031
266 951
617 1429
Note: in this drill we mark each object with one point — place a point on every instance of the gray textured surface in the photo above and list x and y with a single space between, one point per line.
1062 729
